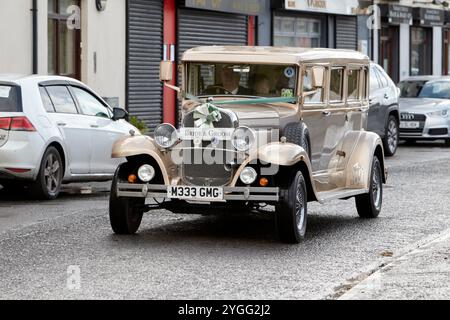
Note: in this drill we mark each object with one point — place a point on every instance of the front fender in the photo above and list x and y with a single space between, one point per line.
278 154
130 146
283 154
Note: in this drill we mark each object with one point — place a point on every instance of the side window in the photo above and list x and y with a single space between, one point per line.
48 105
311 95
374 82
353 85
336 84
62 100
89 104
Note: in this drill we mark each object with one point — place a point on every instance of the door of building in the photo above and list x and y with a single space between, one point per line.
389 51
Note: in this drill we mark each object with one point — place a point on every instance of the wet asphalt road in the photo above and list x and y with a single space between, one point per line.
232 256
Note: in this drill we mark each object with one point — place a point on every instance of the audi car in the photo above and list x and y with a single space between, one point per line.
425 108
55 130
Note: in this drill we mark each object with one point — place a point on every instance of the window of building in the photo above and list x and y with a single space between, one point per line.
297 32
63 38
421 51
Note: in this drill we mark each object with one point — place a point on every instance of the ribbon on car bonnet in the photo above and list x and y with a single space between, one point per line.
205 116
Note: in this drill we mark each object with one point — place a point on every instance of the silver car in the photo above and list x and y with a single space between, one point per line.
55 130
425 108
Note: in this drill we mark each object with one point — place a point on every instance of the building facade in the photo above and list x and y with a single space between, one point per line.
75 38
413 38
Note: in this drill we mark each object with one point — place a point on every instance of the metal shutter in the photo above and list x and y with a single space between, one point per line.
202 28
346 32
145 37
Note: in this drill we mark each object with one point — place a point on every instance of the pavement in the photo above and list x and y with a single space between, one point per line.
419 272
400 255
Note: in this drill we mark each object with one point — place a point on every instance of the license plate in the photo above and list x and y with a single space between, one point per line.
195 193
409 124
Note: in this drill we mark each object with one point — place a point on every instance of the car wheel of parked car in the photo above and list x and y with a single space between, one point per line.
391 137
291 212
369 204
297 133
124 215
48 182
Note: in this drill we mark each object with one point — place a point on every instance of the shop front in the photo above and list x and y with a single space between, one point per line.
423 33
164 30
316 23
393 16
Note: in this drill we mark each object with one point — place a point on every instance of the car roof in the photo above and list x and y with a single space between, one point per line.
427 78
272 55
20 79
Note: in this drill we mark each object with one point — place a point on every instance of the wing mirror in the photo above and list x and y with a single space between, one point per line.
119 113
166 71
318 77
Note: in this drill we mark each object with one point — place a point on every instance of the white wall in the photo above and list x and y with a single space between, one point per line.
16 37
437 51
104 34
404 51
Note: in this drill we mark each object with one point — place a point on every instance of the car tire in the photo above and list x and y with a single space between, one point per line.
297 133
124 216
369 204
292 211
391 137
51 171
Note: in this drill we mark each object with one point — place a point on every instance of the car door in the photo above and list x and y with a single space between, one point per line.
376 100
315 115
104 130
76 133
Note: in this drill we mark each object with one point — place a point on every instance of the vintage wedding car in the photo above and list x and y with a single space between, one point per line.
259 126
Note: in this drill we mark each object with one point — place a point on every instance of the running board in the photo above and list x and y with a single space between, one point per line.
342 193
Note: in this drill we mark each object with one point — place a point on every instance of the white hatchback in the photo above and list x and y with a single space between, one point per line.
56 130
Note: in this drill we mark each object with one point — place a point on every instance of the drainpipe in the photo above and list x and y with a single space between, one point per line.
35 37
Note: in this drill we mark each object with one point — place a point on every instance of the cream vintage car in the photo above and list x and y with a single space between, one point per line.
259 126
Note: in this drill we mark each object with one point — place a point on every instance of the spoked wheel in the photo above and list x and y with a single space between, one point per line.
48 183
291 212
369 205
125 214
392 137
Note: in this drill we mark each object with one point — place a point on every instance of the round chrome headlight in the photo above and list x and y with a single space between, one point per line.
248 175
243 139
146 173
166 135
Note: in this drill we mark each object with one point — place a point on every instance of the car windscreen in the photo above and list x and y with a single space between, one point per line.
410 89
268 81
10 98
436 90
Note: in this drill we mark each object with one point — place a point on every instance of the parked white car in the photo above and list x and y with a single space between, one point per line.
56 130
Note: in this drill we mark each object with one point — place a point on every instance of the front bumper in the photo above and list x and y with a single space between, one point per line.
128 190
433 128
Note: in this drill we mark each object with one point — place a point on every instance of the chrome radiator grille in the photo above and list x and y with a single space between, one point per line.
196 170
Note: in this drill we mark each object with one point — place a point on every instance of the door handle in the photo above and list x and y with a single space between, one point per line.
326 113
94 125
386 96
61 124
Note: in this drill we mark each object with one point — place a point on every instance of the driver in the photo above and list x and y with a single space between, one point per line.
230 84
